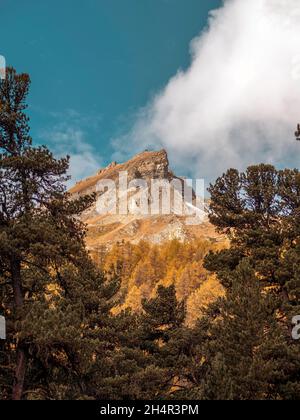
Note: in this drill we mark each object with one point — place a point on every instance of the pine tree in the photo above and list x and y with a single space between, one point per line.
235 367
162 335
150 353
55 301
259 211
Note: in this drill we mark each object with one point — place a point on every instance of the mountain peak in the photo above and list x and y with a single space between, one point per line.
145 165
104 230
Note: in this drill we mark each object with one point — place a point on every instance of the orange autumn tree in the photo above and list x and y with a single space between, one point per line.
144 267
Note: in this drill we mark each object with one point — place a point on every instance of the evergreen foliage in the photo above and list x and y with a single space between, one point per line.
56 303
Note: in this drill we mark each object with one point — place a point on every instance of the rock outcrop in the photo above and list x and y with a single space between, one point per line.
146 165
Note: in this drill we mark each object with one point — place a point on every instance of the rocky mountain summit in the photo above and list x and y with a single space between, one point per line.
158 224
146 165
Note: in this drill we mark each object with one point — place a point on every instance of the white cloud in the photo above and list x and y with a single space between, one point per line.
239 101
68 138
84 161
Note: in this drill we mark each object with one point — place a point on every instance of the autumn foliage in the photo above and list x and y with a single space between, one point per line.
144 267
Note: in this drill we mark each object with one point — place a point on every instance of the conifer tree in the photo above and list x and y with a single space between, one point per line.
162 335
150 354
259 211
56 303
235 367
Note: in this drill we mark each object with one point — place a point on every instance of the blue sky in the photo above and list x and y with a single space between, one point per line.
113 77
94 63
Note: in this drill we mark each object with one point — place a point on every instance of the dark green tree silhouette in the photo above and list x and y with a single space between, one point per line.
233 363
55 301
259 211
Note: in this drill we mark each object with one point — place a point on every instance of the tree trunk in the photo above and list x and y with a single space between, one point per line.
20 371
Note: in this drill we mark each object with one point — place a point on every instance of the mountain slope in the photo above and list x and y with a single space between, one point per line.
104 230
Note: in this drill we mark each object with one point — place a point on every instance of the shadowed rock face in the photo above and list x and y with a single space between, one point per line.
106 229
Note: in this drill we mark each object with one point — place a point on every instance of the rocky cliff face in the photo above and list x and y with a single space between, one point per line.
146 165
106 229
